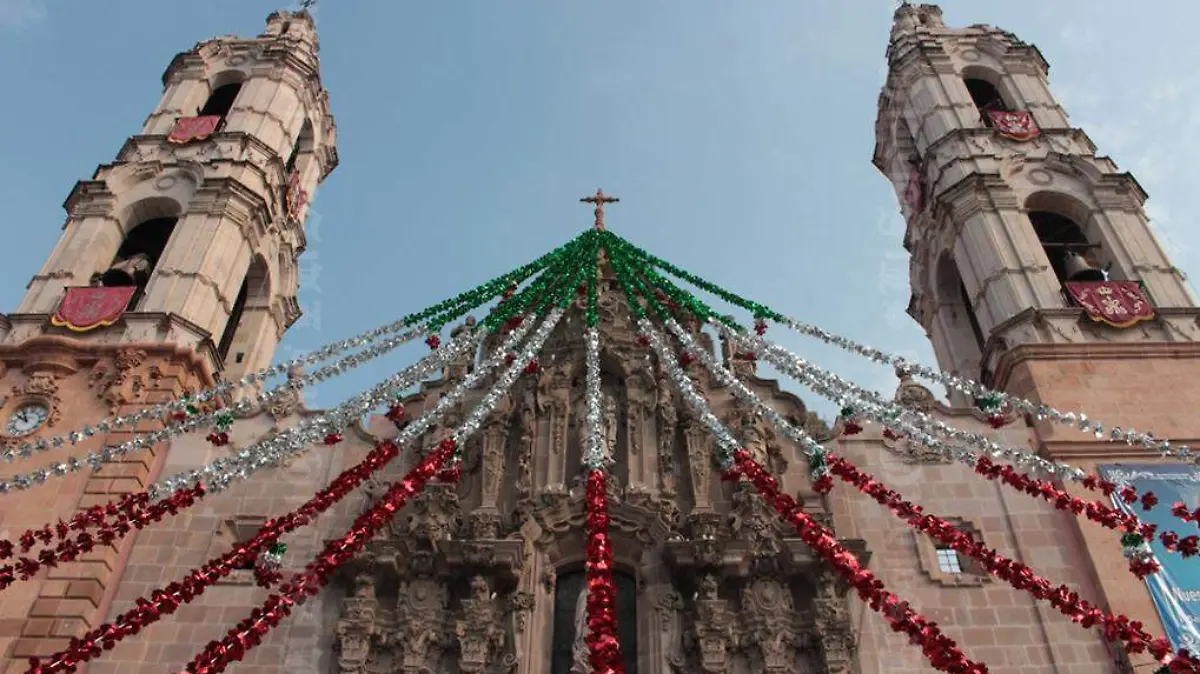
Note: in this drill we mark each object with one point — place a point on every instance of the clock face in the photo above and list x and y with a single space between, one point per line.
27 419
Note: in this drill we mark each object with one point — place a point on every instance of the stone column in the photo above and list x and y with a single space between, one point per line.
698 443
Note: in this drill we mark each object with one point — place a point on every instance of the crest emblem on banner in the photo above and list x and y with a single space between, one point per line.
88 308
1120 304
296 197
189 129
1014 125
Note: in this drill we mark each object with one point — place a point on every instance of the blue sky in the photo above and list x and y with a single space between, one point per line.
738 136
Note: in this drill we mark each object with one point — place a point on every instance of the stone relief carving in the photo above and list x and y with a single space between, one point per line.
287 402
120 382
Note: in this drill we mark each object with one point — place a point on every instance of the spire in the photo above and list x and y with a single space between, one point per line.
910 19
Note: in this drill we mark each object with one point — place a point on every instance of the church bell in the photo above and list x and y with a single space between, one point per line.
1079 269
129 272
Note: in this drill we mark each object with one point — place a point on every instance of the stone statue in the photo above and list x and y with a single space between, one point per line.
579 650
755 443
609 424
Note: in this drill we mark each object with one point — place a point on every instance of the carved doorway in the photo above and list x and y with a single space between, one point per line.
569 588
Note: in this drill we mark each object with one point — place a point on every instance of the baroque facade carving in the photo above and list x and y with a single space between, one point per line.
480 564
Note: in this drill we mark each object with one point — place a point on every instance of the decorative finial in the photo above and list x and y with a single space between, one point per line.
600 198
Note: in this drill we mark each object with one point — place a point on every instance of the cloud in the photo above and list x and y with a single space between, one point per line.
21 13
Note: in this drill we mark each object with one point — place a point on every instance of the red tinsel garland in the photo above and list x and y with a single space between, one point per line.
166 600
1015 573
941 651
129 513
602 640
1096 511
249 633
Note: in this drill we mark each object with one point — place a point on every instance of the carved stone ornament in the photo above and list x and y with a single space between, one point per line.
913 395
287 402
119 382
480 638
435 513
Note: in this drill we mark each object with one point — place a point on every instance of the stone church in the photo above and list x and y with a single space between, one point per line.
200 216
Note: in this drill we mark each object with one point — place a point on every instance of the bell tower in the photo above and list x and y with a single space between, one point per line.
177 266
200 215
1033 265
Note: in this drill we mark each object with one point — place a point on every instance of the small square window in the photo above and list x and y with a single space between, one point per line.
948 561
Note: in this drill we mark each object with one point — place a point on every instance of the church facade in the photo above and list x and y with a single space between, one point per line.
200 219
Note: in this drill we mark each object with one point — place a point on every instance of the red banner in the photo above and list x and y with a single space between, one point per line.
296 197
1015 125
914 194
188 129
87 308
1116 303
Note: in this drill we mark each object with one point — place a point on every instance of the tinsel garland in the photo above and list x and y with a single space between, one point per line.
941 651
193 416
990 402
762 313
94 528
250 632
604 647
897 420
295 440
113 519
181 421
1017 574
165 600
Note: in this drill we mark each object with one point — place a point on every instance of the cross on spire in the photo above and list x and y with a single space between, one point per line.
600 198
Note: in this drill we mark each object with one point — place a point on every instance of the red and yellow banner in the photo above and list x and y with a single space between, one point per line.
88 308
1014 125
1120 304
189 129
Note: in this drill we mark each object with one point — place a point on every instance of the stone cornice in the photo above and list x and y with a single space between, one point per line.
205 348
1087 447
68 348
1011 357
88 191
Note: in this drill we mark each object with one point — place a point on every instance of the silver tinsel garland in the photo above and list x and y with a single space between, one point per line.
595 455
807 444
492 398
973 388
27 449
726 443
292 441
93 460
915 425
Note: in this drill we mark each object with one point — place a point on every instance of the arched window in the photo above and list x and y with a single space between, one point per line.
986 96
1061 238
220 102
138 256
570 592
254 291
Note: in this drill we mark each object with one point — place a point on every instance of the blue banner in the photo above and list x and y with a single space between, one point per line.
1175 589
